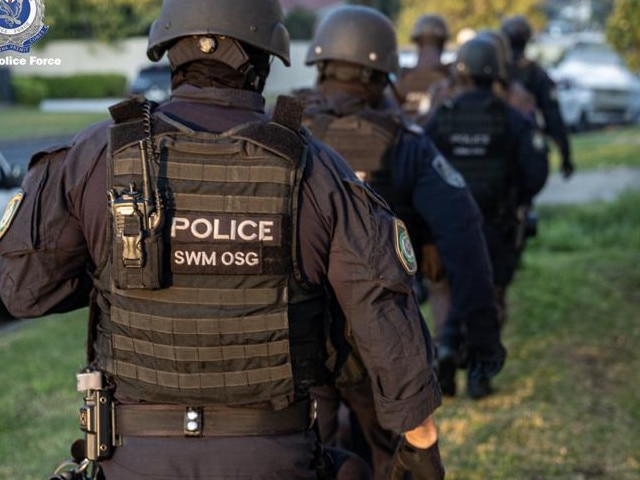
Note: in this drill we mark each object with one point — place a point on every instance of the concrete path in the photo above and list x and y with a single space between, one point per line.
589 186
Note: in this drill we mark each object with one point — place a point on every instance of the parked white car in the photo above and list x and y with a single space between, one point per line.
154 82
595 87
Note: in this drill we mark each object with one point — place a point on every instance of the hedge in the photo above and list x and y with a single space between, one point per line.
30 90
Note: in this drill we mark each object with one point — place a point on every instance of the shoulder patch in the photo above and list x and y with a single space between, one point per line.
404 248
447 172
10 212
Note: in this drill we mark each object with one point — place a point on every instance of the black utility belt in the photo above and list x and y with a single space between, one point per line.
211 421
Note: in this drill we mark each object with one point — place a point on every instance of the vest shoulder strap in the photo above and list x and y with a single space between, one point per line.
130 109
273 137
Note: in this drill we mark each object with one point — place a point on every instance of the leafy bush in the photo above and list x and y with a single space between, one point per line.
31 90
86 86
28 90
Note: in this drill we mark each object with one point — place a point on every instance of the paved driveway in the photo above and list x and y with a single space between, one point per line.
589 186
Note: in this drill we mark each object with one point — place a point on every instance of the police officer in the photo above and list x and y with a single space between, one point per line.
543 88
498 150
430 34
231 246
513 92
354 50
506 86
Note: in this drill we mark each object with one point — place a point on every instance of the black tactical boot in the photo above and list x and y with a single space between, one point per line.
478 384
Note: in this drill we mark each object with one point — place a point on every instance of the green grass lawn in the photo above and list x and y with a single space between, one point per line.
567 401
566 406
30 122
607 148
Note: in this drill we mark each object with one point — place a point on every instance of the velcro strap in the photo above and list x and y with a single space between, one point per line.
217 421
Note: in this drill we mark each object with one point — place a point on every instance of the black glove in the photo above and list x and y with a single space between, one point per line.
4 313
567 168
421 463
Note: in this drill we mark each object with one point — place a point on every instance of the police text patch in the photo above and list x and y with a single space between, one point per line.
10 212
404 249
206 243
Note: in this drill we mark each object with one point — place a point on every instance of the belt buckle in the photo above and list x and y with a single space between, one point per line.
193 421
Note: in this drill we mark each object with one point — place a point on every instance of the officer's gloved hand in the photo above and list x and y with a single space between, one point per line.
421 463
4 313
567 168
482 368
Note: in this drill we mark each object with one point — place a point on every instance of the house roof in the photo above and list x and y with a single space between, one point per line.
308 4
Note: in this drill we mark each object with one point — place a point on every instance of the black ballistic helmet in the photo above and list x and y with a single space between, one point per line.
430 26
518 30
503 47
478 58
256 23
357 34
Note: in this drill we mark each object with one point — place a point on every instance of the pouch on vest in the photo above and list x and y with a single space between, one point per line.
137 220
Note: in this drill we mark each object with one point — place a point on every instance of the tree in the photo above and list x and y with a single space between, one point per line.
475 14
391 8
107 20
623 30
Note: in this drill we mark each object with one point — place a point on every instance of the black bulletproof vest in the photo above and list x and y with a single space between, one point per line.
226 321
472 137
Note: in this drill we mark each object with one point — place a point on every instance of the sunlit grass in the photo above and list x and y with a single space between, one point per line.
607 148
24 123
566 405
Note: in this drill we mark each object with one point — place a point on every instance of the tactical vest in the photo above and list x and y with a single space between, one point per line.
223 319
414 87
367 140
473 139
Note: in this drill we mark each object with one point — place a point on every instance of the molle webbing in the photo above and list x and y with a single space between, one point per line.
473 138
220 332
414 87
419 80
364 140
